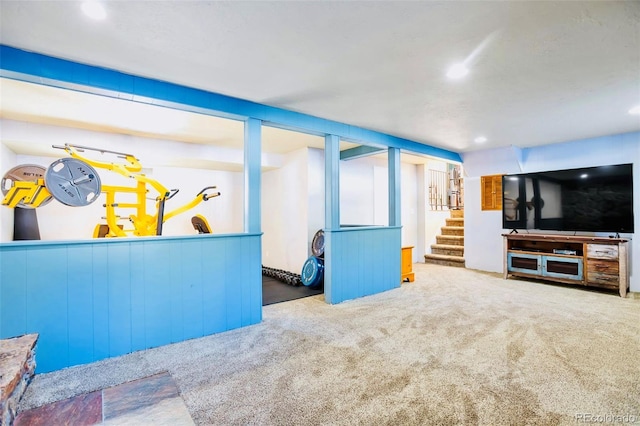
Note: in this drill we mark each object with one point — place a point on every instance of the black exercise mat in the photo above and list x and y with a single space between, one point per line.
274 291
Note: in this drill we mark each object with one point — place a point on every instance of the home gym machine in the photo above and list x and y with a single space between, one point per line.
75 182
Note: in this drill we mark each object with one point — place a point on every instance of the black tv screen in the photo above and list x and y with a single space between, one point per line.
593 199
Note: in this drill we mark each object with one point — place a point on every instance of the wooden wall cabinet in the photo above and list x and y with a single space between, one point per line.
491 192
588 261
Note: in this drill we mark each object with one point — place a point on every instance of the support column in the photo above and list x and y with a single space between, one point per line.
331 213
395 214
332 182
252 174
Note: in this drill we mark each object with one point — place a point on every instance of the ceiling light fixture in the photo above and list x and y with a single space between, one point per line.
94 10
457 71
635 110
480 139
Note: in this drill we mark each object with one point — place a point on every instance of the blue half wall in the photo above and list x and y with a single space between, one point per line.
91 300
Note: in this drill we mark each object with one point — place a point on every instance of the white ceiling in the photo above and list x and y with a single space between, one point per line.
540 72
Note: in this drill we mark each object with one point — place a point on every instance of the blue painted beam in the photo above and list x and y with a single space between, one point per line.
34 67
359 151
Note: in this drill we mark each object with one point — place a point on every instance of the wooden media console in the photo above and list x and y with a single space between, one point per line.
588 261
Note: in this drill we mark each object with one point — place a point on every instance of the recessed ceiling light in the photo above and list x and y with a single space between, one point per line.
457 71
584 176
94 10
480 139
635 110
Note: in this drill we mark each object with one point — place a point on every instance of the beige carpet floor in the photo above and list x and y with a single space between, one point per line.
457 346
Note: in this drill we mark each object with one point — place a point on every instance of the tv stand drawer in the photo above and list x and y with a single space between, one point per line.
602 251
603 266
603 272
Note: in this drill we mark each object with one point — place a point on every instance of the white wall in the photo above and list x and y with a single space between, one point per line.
364 196
315 202
150 151
409 208
357 186
434 220
483 229
225 213
285 197
7 162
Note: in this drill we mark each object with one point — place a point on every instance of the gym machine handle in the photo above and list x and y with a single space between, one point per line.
206 197
172 193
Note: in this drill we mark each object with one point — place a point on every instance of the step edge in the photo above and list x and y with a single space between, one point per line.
458 259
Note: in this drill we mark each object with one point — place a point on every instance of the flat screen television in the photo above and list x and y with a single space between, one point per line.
593 199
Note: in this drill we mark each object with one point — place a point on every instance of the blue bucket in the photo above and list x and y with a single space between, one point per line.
313 272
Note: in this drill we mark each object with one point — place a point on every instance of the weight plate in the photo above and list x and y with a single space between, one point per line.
317 244
312 272
23 173
73 182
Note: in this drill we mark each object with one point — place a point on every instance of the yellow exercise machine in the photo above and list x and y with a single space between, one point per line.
144 224
75 182
200 224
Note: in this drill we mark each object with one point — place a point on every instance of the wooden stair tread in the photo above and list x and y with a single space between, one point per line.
446 257
447 247
457 240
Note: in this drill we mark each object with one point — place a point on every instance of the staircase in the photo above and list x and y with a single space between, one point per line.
449 247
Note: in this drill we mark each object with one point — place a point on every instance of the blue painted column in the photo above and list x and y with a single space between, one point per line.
331 207
332 181
395 218
252 177
252 291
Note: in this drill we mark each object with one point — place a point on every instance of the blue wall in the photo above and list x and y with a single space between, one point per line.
361 262
91 300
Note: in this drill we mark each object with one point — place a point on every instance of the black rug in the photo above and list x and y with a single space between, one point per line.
274 291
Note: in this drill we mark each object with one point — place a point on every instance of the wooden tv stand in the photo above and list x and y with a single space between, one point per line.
588 261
